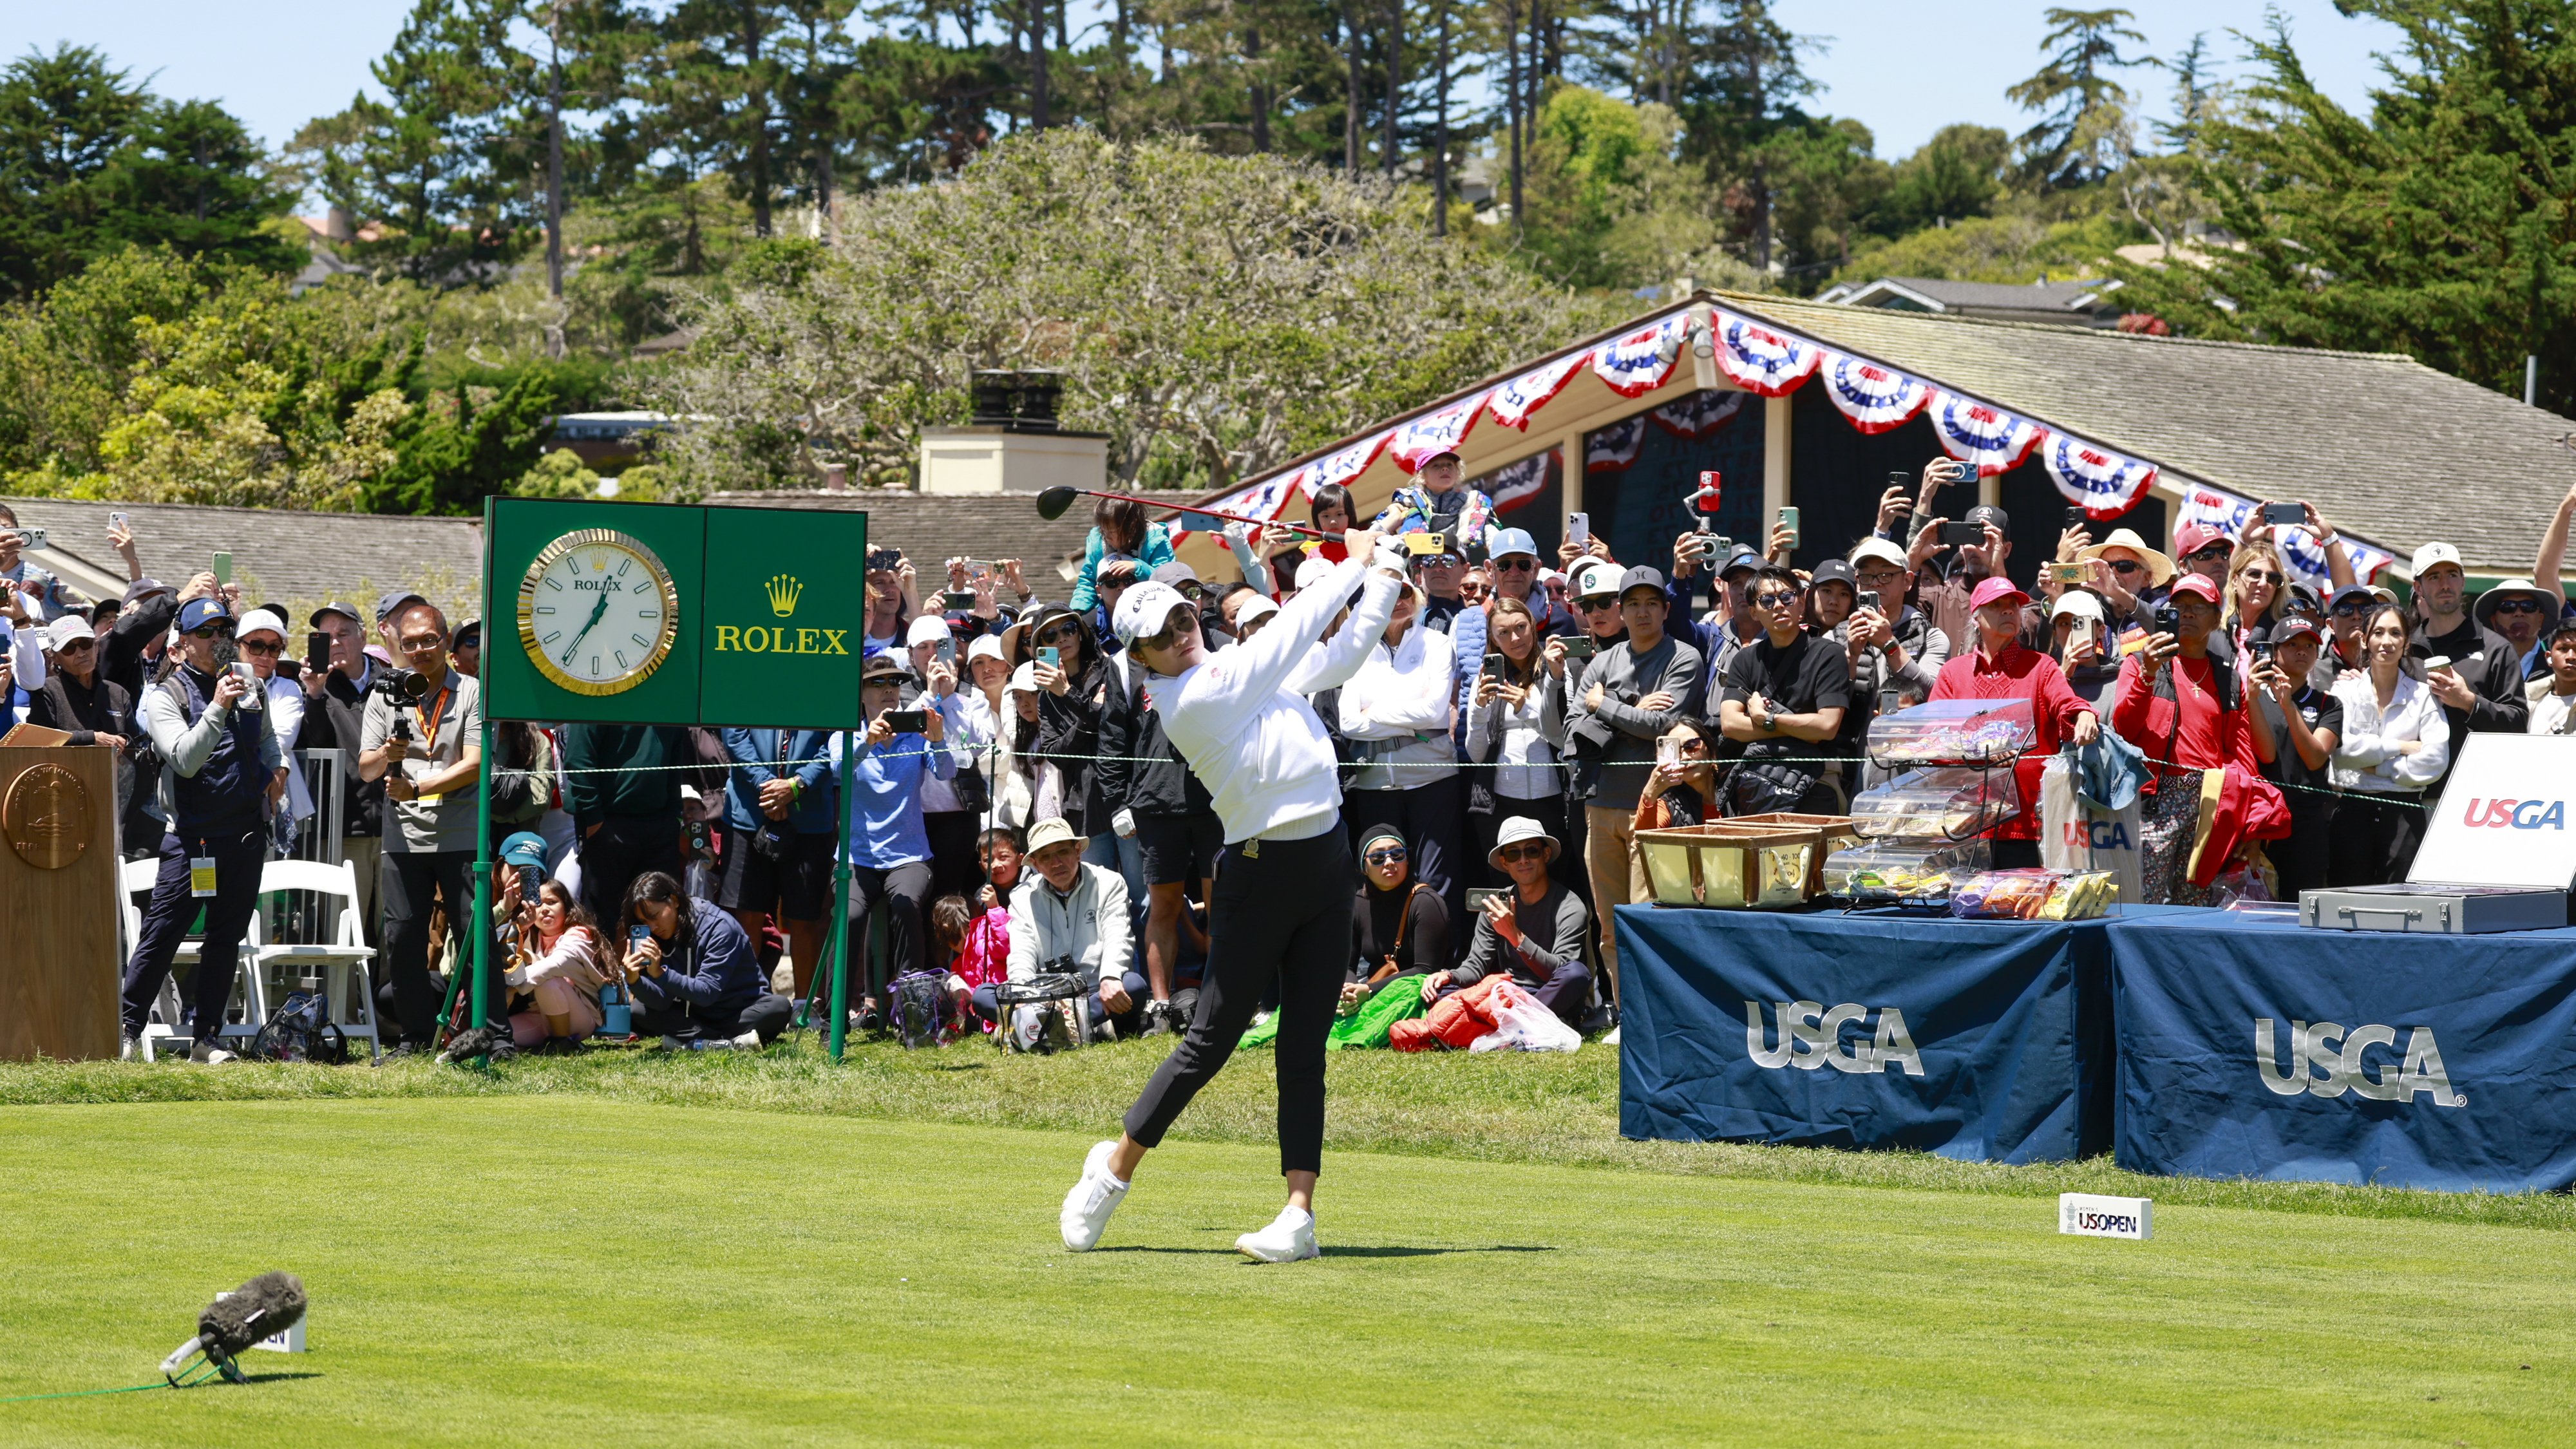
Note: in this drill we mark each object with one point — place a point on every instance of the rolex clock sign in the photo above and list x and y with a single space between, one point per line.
638 613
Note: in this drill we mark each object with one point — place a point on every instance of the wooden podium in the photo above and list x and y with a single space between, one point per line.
58 870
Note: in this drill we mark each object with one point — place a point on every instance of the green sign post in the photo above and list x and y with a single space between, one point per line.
639 613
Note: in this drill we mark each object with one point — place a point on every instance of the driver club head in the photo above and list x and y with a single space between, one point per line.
1052 502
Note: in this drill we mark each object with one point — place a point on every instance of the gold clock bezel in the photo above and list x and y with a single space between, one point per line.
535 653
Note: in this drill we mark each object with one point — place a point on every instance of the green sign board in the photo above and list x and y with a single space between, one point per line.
642 613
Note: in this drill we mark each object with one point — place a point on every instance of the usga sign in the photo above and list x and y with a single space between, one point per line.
1811 1036
2520 814
2096 1215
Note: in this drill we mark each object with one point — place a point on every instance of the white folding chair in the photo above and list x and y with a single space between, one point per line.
350 1007
172 1013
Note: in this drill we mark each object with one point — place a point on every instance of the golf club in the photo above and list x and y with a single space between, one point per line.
1052 503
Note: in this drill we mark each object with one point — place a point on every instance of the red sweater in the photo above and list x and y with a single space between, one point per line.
2018 673
2185 742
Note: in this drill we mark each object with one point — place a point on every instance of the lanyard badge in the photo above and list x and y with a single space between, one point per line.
201 875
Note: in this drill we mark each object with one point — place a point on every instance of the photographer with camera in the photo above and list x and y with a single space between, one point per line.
422 735
548 957
1069 917
696 978
215 793
889 844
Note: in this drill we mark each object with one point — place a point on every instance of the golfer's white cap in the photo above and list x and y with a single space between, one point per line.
1145 610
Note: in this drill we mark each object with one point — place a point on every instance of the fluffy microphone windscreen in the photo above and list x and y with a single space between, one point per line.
265 1306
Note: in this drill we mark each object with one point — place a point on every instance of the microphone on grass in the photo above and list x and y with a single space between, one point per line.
264 1307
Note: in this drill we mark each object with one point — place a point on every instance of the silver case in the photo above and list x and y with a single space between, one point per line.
2433 909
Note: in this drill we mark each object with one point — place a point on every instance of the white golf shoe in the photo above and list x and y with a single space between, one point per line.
1093 1199
1289 1238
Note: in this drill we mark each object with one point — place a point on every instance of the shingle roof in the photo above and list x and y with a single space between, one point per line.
2387 447
279 556
2026 296
933 527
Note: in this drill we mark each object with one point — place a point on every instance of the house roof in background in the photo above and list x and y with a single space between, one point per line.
2026 301
2395 451
279 555
932 528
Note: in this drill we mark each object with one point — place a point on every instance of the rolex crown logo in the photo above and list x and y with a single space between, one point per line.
783 591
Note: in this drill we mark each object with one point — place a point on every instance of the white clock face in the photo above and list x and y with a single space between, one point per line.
597 612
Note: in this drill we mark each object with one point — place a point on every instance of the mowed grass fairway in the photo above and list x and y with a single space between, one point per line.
545 1261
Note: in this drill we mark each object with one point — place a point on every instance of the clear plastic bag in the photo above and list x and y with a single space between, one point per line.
1523 1024
1904 872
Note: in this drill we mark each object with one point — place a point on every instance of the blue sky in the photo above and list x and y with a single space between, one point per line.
1903 67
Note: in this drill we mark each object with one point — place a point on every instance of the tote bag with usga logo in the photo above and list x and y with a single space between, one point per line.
2076 836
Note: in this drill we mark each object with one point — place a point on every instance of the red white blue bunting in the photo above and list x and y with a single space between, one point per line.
1434 433
1699 415
1345 465
1607 450
2105 483
1874 398
1514 401
1981 435
1761 360
2302 556
1638 363
1267 499
1515 484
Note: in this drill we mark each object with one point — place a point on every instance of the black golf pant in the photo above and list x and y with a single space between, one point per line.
237 852
904 892
1281 914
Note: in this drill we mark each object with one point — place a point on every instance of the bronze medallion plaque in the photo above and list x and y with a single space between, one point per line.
46 816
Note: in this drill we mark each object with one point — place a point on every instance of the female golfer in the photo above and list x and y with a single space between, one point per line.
1282 907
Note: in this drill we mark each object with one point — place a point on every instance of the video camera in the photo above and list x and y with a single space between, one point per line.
400 687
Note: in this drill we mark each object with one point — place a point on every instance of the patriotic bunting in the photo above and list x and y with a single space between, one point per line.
1514 401
1638 363
1607 450
1266 499
2106 483
1990 439
1700 414
1873 397
1514 484
2302 556
1433 433
1347 464
1761 360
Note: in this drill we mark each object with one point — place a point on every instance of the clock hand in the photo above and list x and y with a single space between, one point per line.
597 611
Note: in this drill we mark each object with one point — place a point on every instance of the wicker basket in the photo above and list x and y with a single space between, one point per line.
1833 832
1731 865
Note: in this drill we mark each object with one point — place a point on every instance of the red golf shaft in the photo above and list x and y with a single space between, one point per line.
1215 513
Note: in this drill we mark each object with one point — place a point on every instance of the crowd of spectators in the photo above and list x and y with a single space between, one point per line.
1022 814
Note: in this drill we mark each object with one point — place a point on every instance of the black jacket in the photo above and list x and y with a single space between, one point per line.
340 724
100 707
1069 730
1128 728
614 770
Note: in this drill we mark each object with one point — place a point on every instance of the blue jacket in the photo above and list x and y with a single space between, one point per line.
754 757
886 829
708 969
1156 552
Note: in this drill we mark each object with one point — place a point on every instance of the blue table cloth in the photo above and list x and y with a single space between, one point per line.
1981 1040
2251 1047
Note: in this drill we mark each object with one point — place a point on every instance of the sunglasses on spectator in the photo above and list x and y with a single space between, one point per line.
77 645
2266 576
1880 578
1526 850
2517 606
212 631
1597 603
2211 550
2124 565
2347 609
262 646
1519 565
1389 856
1775 599
1056 633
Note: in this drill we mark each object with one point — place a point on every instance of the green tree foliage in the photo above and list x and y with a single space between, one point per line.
1214 315
91 162
1957 174
2444 225
2077 141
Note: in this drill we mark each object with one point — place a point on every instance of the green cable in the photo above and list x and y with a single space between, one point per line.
86 1393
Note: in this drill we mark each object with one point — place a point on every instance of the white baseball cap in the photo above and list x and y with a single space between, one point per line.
1315 570
258 619
987 646
65 629
1260 608
1877 548
1596 578
2435 553
2077 604
928 629
1024 680
1145 609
